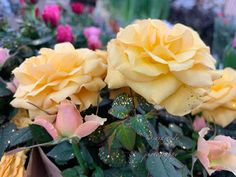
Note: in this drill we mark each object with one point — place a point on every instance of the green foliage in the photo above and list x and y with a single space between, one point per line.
126 136
131 9
122 106
6 131
230 57
137 164
76 171
10 136
112 157
173 136
20 136
40 135
144 128
164 165
144 105
62 152
98 172
121 172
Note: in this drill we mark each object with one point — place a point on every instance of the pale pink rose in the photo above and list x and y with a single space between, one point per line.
64 34
217 154
51 14
4 55
12 85
199 123
92 34
68 122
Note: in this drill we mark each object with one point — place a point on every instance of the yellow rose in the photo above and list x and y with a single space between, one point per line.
13 165
169 67
49 78
21 119
220 104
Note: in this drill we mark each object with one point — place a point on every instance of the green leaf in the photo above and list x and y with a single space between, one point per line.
20 136
3 90
163 165
184 142
121 106
112 157
137 164
126 136
40 135
143 127
118 172
144 105
86 155
6 132
62 152
73 172
98 172
176 129
230 57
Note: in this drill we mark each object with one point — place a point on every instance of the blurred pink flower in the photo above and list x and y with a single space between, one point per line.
234 41
90 9
22 2
217 154
90 31
92 34
37 12
68 122
51 14
199 123
4 55
12 85
64 33
77 7
94 42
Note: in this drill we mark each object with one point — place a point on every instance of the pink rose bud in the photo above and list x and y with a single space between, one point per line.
4 55
13 85
77 7
217 154
94 42
234 41
199 123
51 14
68 122
37 12
90 31
92 35
64 33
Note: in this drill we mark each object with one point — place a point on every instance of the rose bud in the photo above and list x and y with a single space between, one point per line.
64 34
51 14
68 122
77 7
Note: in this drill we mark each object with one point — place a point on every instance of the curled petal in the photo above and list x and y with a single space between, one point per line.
86 128
91 124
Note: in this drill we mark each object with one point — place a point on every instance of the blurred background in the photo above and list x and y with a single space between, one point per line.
27 25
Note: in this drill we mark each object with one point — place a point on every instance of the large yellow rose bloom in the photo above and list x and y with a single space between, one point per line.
220 104
13 165
168 67
49 78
